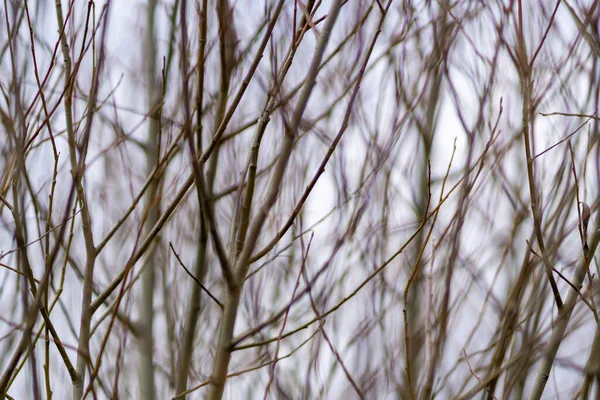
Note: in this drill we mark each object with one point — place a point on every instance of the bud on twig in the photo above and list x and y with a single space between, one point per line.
585 218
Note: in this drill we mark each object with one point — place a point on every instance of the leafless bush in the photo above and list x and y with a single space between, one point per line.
299 199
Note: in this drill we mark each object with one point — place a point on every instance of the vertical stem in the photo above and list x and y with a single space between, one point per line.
223 351
77 173
536 208
146 339
194 306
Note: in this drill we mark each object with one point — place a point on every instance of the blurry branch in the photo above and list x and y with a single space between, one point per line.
475 375
45 235
186 349
154 101
584 216
508 323
323 331
294 91
204 186
40 292
84 356
190 180
112 310
582 26
245 371
415 269
437 65
77 171
223 351
334 308
514 361
51 333
227 49
152 177
445 41
245 335
287 313
235 342
31 314
23 345
356 87
592 367
23 260
581 296
564 315
525 69
241 219
244 208
568 282
299 235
